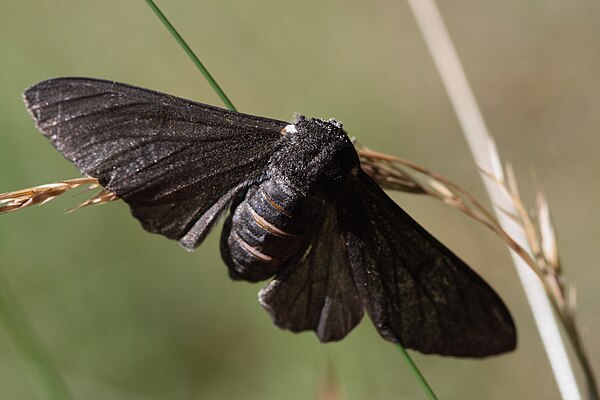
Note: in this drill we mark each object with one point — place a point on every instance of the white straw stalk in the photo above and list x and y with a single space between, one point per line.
487 159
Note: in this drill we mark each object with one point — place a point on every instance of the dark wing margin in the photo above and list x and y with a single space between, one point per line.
317 292
169 158
416 291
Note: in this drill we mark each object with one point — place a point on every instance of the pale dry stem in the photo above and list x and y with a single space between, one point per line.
398 174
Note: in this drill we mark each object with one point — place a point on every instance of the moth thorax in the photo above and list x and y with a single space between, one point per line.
315 156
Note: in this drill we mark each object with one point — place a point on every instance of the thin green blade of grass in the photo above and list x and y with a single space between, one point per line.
213 83
188 50
417 373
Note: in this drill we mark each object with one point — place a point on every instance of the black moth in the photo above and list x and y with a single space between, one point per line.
302 211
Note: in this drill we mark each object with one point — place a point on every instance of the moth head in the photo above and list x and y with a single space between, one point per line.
314 155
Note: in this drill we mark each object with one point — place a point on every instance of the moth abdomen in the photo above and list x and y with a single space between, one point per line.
266 229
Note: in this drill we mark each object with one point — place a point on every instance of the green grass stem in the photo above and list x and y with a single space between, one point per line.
417 373
213 83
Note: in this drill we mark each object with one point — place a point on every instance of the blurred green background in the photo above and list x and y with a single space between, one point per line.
125 314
